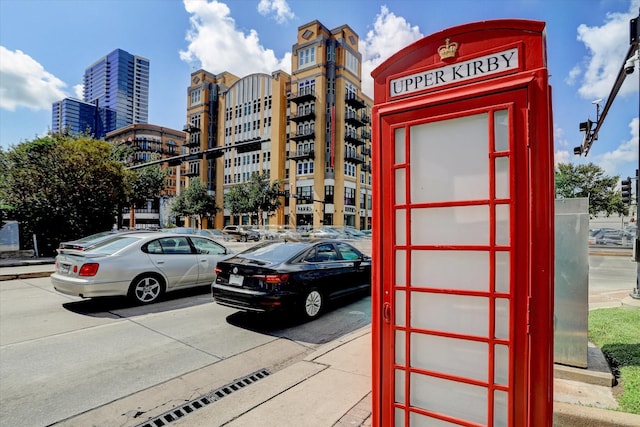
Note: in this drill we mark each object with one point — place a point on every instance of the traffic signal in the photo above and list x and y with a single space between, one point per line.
586 126
626 191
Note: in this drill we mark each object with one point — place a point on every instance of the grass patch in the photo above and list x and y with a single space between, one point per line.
616 331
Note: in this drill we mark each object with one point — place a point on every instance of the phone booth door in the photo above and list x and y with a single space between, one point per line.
456 295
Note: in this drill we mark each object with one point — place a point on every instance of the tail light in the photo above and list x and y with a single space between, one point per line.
272 281
217 270
89 269
272 278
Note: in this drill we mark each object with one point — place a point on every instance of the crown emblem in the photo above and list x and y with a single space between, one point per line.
448 50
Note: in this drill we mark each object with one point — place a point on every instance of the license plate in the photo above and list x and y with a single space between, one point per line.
235 279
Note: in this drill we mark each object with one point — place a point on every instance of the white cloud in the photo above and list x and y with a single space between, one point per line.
79 90
280 9
25 83
390 33
561 156
216 45
608 46
626 153
559 137
574 75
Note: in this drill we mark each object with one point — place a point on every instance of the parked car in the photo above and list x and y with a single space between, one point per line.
179 230
213 233
615 238
596 233
93 239
142 266
240 233
325 233
298 276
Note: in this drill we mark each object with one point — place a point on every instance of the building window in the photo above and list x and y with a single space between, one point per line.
328 193
349 196
196 97
305 168
352 62
351 90
305 195
331 53
307 87
306 57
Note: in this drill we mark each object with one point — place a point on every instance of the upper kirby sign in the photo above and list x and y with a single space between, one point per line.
471 69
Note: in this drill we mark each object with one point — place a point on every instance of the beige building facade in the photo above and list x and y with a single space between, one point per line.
309 130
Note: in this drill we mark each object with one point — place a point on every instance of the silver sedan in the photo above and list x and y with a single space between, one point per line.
141 266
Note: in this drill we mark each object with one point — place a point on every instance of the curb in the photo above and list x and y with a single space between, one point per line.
630 302
569 415
4 277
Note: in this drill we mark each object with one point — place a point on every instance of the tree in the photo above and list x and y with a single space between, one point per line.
61 187
590 181
237 200
254 198
195 201
144 184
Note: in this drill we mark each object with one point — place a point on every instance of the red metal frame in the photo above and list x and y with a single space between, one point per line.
525 93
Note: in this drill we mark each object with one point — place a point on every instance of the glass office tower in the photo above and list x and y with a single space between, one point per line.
116 94
74 116
120 81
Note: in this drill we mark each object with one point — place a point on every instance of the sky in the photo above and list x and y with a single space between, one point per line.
46 45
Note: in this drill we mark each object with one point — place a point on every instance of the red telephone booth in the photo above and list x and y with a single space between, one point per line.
463 230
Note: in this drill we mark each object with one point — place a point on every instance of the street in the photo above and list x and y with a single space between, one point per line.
61 356
68 361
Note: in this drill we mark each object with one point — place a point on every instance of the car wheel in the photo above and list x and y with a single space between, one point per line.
146 289
312 304
243 238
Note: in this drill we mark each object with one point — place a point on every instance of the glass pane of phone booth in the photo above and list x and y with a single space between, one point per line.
453 296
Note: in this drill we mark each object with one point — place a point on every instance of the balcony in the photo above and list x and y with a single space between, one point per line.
302 154
308 135
366 167
303 95
366 135
189 128
352 137
303 116
194 170
352 118
193 141
353 101
366 151
353 157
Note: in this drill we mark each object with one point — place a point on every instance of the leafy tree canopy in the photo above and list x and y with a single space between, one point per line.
195 201
146 183
61 187
590 181
255 197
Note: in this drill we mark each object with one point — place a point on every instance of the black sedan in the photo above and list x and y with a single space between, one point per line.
299 276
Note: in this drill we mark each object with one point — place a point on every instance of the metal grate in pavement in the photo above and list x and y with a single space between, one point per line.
202 401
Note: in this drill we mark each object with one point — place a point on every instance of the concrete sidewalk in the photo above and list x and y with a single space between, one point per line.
332 386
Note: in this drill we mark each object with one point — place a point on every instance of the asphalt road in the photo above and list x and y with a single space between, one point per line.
61 356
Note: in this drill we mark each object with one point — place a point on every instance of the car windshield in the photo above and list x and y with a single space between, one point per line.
274 252
112 246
